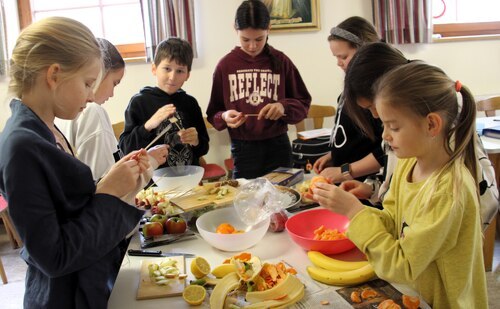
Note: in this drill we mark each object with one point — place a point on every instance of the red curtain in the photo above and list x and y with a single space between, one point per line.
167 18
403 21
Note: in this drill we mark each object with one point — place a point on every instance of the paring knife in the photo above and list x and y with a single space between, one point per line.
156 253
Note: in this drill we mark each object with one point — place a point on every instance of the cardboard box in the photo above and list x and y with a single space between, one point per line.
285 176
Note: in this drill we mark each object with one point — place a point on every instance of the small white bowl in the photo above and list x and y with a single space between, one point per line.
208 223
178 178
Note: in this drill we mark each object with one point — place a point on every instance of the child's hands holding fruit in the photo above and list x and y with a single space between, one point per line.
122 177
360 189
161 114
336 199
189 136
159 153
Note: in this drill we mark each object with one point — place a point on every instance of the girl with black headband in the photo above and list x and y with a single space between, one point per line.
353 154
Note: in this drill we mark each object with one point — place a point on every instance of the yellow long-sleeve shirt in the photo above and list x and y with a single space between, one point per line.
436 249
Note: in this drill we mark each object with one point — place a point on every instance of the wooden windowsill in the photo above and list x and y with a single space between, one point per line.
485 37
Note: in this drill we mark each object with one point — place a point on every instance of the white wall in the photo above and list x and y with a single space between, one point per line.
475 63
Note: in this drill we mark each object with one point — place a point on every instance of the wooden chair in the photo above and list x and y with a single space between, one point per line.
15 240
317 113
489 106
2 273
11 232
118 129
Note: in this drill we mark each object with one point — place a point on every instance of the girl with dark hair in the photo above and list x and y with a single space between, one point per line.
353 154
429 122
359 95
256 92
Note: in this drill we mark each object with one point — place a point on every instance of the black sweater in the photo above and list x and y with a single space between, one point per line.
144 104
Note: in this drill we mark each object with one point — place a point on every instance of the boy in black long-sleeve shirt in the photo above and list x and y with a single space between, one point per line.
167 105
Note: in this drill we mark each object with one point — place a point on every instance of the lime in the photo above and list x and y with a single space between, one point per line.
200 267
194 294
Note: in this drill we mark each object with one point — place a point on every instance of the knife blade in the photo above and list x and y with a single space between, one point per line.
156 253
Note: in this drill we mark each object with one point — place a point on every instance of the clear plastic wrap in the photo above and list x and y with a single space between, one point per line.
258 200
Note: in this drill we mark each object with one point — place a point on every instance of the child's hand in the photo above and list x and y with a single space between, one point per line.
141 157
337 200
333 173
233 118
189 136
272 111
122 177
322 163
158 117
360 189
159 153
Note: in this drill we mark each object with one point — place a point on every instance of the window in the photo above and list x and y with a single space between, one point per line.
119 21
465 18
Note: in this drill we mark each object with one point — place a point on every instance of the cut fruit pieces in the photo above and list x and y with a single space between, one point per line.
194 294
200 267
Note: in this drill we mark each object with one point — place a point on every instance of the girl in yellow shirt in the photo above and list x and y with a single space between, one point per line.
429 233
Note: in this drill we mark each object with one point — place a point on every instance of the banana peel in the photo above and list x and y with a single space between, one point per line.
282 303
229 283
290 288
288 292
248 273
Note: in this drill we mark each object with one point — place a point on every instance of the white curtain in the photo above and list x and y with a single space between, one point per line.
167 18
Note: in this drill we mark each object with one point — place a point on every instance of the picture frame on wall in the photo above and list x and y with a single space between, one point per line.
293 15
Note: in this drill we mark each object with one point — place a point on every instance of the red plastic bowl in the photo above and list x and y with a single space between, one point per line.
301 228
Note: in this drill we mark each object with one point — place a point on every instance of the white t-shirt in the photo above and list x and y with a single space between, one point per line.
92 136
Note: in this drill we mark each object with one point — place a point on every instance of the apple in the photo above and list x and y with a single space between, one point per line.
278 220
159 218
175 225
152 229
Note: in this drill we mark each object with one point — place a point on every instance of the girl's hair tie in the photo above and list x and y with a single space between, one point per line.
458 86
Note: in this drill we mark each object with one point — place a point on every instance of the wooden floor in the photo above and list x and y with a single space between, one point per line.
11 294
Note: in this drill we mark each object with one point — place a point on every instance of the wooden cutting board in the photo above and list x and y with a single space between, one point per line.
199 198
149 290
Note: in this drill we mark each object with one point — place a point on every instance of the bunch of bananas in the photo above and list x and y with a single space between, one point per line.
336 272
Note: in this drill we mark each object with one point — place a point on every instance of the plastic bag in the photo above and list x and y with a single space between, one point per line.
258 200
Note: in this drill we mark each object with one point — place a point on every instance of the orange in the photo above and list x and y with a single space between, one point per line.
225 228
411 302
315 180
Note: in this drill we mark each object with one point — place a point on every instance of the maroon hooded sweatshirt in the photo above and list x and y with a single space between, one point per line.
247 84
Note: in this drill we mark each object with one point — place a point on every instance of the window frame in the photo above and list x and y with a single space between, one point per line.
467 29
128 51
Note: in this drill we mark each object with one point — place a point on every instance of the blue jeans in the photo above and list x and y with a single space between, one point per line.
254 159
